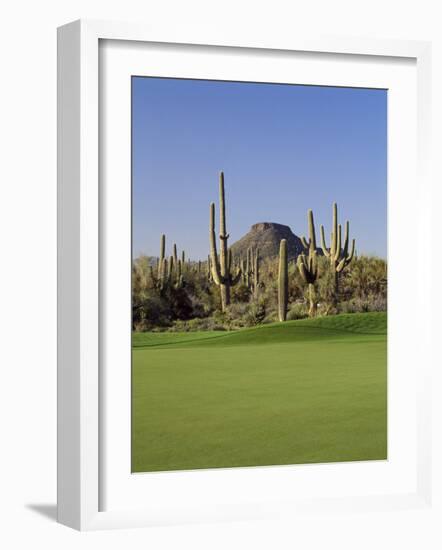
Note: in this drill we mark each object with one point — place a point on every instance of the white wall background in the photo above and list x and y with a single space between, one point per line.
28 264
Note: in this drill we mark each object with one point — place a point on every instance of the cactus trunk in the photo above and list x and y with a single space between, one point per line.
162 254
283 281
223 250
335 286
256 274
312 300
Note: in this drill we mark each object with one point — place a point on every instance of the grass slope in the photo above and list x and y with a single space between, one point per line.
296 392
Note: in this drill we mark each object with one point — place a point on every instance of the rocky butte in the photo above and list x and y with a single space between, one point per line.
267 236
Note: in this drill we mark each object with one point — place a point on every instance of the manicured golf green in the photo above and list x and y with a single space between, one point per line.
286 393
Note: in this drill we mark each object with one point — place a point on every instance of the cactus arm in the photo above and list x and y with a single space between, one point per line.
311 230
341 265
347 231
304 242
213 252
323 244
307 267
163 246
335 246
346 259
337 253
175 254
302 267
235 279
303 273
170 268
352 251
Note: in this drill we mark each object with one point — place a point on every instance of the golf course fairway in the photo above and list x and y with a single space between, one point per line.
285 393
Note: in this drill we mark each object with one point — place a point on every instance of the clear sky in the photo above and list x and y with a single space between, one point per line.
283 149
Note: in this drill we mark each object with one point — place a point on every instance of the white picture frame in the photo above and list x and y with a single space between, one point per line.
80 437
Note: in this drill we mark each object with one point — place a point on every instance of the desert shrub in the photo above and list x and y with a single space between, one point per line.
240 293
378 303
297 311
326 308
349 306
255 314
195 325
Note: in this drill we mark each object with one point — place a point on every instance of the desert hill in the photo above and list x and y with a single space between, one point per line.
266 236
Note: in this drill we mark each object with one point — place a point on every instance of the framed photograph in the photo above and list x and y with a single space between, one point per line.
241 277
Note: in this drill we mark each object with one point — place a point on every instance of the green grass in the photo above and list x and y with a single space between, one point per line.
286 393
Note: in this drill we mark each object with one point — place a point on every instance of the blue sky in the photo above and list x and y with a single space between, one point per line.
283 149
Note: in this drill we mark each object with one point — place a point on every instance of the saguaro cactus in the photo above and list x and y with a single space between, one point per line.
169 272
256 265
250 270
179 282
162 254
308 264
221 265
283 281
165 273
209 269
338 255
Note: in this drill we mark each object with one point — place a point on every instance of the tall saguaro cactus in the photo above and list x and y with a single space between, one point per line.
249 268
162 254
308 264
283 281
256 265
221 265
339 255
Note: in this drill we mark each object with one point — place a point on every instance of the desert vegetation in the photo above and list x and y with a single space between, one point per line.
231 290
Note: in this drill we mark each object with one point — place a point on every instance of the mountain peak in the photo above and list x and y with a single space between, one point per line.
266 236
263 226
